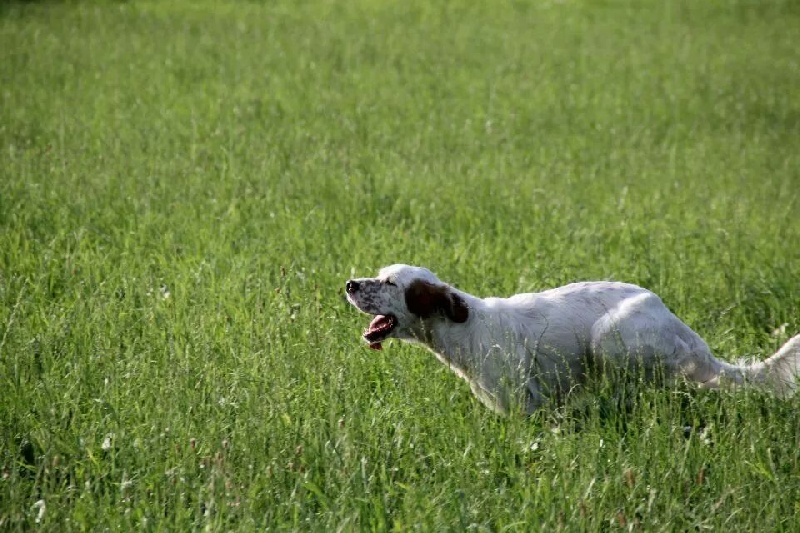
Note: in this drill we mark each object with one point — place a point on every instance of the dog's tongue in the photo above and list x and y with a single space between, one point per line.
378 323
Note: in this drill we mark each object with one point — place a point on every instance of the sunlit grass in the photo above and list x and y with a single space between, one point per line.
185 187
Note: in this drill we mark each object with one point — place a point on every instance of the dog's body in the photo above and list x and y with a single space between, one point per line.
529 348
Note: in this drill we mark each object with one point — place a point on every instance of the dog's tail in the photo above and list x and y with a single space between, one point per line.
779 374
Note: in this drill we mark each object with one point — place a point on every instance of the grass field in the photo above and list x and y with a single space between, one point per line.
185 187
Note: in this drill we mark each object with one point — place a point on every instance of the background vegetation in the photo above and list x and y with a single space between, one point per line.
185 186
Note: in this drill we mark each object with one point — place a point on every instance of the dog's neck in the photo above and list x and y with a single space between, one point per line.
455 343
478 350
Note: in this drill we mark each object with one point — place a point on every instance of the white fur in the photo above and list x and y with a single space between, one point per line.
528 348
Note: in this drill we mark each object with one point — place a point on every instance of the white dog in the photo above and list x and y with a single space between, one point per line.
529 348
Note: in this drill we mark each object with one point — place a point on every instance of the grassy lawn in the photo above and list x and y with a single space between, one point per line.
185 187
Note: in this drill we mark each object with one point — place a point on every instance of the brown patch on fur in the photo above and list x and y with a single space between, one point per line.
425 299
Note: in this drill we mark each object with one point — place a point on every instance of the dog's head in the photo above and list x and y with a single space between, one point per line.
404 300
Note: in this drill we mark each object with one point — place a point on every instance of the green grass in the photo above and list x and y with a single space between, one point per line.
185 187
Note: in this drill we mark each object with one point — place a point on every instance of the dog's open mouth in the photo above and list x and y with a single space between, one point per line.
380 328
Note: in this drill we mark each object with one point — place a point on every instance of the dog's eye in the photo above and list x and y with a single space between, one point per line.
390 282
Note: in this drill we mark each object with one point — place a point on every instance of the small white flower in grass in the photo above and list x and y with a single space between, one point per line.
705 435
526 446
164 292
107 441
126 483
780 331
42 507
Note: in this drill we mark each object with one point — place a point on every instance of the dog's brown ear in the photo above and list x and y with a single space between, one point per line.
458 310
426 299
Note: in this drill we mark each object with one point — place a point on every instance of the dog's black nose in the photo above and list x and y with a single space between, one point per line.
351 286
